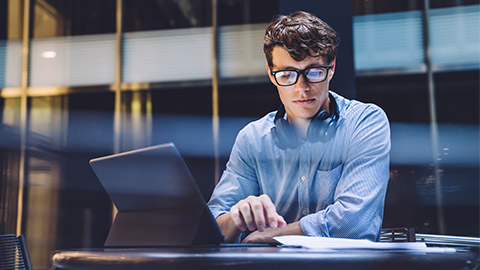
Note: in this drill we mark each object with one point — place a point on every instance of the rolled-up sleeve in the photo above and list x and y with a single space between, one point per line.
359 198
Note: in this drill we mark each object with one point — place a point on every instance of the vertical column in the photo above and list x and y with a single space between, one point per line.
433 117
215 110
117 125
117 116
23 114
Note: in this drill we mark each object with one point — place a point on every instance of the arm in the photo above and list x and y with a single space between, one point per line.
267 235
252 213
357 210
235 202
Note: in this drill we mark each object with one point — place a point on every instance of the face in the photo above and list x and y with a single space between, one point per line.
302 100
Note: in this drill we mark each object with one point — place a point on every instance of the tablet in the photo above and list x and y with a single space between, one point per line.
158 200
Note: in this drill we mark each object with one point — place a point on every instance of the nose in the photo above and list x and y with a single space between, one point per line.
302 85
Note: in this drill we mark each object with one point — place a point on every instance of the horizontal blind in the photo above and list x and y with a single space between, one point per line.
390 40
10 63
167 55
241 50
455 36
73 60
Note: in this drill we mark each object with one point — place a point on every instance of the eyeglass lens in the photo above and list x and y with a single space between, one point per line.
289 77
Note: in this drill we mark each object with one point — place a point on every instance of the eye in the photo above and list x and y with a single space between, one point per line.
316 72
286 75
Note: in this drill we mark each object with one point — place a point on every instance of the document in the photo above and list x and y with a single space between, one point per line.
323 243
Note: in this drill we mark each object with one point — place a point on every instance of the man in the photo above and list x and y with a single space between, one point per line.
319 166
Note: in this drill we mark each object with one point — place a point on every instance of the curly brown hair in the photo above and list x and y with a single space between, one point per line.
302 35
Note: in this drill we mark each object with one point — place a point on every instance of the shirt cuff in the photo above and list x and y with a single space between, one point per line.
314 225
216 212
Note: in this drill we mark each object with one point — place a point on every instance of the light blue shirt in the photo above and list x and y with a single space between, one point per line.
335 189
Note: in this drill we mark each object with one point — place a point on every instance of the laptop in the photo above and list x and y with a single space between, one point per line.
158 200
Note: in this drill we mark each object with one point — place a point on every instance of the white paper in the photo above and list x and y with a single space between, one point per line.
322 243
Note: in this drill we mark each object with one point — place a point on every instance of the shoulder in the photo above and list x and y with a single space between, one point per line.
354 112
258 128
254 137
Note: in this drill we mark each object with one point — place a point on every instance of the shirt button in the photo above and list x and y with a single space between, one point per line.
303 178
304 212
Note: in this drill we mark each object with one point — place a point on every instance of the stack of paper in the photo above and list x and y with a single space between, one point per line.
322 243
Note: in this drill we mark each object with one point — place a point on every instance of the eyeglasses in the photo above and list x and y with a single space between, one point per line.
312 75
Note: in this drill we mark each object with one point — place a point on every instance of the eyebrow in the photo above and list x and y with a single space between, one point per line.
307 67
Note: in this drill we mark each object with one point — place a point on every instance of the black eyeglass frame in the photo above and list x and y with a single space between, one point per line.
301 72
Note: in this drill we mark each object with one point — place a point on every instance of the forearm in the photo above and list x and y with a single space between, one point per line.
228 227
267 235
291 229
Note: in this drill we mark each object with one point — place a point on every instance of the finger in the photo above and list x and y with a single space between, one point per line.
238 218
281 222
256 206
270 211
246 213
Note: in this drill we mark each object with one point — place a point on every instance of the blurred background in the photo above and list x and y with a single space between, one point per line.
81 79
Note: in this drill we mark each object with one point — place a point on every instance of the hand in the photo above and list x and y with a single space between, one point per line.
262 237
255 213
267 235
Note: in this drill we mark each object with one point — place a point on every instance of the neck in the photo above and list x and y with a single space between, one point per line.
301 126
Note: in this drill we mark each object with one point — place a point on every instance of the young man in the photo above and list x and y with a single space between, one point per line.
319 166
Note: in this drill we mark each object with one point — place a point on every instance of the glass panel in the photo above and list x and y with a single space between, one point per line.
71 44
411 197
136 115
389 40
362 7
43 173
457 101
455 37
11 29
167 55
73 61
165 14
54 18
167 40
84 209
242 25
66 206
236 12
9 163
241 51
10 63
450 3
184 117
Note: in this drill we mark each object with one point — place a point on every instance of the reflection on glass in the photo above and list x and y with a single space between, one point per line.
389 40
73 43
167 55
455 37
395 40
241 51
238 12
53 18
11 29
10 63
165 14
73 60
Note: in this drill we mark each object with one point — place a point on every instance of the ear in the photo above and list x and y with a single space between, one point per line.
270 76
332 68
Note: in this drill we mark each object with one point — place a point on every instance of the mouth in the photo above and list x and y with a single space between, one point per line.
306 101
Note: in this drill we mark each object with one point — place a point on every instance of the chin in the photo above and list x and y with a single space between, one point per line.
309 114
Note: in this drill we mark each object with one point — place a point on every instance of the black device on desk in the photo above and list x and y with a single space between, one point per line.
158 200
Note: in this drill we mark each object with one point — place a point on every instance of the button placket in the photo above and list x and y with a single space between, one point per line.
304 176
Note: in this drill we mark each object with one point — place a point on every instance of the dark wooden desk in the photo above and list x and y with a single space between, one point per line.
265 258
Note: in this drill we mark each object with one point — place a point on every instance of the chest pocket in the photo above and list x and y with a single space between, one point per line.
325 185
